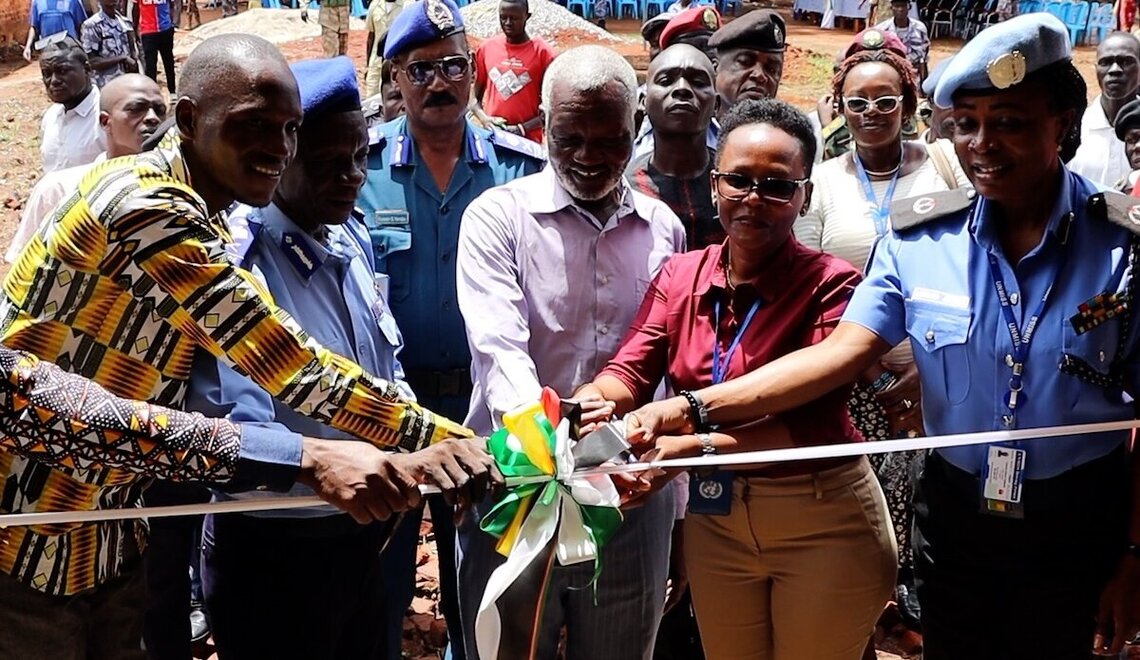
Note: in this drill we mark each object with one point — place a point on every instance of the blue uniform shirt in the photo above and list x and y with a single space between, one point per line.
415 230
933 284
331 290
52 16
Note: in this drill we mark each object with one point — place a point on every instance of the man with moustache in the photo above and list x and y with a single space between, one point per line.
423 170
1101 156
680 101
69 131
749 57
131 108
576 222
126 285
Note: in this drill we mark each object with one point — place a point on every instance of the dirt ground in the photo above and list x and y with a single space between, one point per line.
22 102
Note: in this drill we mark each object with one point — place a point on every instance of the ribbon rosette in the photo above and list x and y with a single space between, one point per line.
545 502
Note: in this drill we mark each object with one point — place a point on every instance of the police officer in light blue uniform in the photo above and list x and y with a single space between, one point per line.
1017 298
423 171
310 583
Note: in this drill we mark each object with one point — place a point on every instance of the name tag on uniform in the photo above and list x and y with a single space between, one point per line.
1002 481
396 218
711 495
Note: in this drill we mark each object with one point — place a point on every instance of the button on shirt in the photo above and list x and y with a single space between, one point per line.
72 137
933 284
546 294
328 287
1101 155
415 232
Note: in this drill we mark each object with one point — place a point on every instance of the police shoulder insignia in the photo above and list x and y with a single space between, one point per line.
914 211
517 144
1119 209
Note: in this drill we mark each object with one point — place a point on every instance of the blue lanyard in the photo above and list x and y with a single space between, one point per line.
719 367
882 209
1023 337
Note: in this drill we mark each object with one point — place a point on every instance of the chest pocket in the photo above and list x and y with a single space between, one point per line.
390 231
938 335
1095 348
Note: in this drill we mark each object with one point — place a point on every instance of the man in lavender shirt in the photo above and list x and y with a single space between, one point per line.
551 269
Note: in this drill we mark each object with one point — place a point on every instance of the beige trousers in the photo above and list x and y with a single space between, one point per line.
334 30
799 570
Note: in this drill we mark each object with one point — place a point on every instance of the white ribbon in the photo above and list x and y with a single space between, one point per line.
561 516
715 460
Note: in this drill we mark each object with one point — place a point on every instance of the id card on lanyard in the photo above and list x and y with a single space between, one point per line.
881 210
711 494
1003 474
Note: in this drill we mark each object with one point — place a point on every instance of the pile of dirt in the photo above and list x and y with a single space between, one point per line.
549 20
276 25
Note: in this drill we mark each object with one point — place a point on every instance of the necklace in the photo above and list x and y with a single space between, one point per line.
728 270
890 172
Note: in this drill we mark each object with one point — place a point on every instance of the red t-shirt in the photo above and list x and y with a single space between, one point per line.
802 297
512 76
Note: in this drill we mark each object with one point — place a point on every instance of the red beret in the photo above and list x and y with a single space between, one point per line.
699 18
875 39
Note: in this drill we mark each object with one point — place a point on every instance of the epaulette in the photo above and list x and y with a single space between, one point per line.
914 211
517 144
377 136
833 126
1117 208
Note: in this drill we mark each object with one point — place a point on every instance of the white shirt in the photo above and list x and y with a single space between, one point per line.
46 195
72 137
1100 157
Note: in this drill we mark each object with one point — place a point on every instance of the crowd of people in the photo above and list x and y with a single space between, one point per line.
280 279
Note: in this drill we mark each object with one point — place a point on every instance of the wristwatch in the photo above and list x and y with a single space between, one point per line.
698 413
707 446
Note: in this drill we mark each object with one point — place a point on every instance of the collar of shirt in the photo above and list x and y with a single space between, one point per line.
551 197
771 278
1095 119
304 252
985 231
89 104
403 148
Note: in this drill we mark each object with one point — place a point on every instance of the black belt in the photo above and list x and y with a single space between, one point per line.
439 383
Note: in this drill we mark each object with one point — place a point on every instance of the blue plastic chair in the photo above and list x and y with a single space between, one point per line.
1058 9
633 7
729 7
583 5
654 7
1101 21
357 9
1077 21
271 4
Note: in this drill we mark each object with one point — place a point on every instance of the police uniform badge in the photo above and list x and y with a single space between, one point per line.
440 16
1007 69
709 19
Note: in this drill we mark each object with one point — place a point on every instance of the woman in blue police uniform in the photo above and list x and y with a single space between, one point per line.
1016 302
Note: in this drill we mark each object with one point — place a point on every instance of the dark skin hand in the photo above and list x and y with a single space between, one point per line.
461 468
365 482
905 421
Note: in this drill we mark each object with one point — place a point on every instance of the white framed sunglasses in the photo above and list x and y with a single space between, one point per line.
884 104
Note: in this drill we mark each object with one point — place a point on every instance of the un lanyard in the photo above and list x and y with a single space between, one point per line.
882 209
719 367
1021 338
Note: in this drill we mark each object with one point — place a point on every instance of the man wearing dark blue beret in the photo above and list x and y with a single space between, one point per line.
313 571
423 170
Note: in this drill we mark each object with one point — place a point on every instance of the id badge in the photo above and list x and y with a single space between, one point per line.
1002 481
711 495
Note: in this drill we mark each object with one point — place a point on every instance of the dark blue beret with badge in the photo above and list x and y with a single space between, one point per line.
1002 55
760 29
327 86
422 22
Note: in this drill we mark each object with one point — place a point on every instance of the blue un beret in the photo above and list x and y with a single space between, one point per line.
1002 55
327 86
421 22
932 78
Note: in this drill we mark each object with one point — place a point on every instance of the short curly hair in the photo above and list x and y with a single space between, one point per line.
776 113
890 58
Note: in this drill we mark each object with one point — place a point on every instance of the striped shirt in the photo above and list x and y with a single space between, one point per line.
123 284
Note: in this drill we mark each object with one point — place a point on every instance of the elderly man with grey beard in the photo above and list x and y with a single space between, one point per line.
551 270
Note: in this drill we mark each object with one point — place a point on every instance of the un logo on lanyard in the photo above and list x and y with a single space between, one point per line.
710 489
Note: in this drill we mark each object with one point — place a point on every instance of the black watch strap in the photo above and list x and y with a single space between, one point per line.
697 410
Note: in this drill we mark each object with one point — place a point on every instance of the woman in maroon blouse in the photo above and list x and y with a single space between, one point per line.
791 560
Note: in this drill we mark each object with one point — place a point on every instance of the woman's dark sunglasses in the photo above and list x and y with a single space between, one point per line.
736 187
